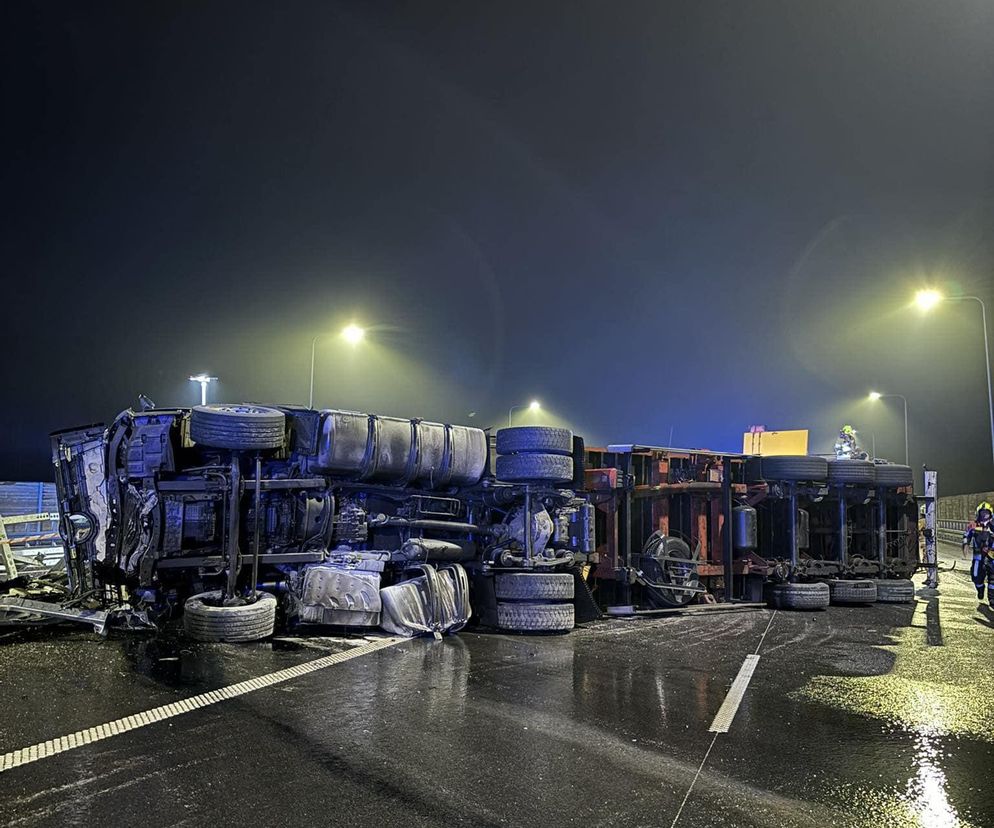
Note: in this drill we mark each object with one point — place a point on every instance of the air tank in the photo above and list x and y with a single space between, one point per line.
394 450
744 531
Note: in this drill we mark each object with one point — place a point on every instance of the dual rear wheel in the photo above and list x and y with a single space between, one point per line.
534 601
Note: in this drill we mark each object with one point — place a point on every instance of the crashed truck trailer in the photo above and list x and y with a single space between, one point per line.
805 531
244 516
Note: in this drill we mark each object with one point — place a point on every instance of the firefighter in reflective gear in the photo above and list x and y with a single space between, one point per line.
847 446
979 537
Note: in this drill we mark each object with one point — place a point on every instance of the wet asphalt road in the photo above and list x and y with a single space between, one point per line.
877 716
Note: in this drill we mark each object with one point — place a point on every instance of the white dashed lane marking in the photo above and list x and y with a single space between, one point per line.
729 707
53 747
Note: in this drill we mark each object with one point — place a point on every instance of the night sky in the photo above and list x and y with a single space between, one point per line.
654 217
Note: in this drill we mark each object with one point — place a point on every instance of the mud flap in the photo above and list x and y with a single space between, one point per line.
584 605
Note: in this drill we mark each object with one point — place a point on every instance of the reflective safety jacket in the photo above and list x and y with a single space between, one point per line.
980 536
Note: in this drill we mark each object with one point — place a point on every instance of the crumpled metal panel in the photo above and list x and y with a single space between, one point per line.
433 603
332 595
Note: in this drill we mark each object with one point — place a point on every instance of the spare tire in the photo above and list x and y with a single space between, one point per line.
538 468
853 592
535 617
799 596
895 590
205 618
535 440
244 426
852 471
893 475
534 586
800 467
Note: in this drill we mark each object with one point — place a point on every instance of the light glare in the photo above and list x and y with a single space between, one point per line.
927 299
353 334
875 395
534 405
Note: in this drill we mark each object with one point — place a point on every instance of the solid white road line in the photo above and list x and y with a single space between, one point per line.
694 781
723 719
42 750
763 637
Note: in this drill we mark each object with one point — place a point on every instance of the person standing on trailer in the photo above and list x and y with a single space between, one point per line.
979 536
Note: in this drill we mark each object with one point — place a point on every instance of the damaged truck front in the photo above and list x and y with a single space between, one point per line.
245 516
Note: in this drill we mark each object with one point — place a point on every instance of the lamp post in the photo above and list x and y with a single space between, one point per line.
204 381
876 395
928 299
352 334
534 405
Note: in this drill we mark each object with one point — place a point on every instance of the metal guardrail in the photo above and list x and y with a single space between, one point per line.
7 542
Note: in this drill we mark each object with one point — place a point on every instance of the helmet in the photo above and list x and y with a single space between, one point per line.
848 429
984 507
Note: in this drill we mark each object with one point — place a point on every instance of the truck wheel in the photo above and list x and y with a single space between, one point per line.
852 592
525 468
799 467
852 471
535 617
205 618
895 590
535 440
528 586
237 426
894 475
800 596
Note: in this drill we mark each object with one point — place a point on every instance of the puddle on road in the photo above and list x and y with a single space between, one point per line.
937 691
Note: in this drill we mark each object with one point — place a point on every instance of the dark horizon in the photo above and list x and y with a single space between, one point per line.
651 217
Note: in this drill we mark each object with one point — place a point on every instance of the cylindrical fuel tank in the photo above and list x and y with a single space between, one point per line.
803 531
744 528
392 450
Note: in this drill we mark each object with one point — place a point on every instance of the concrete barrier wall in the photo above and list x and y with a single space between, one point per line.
962 507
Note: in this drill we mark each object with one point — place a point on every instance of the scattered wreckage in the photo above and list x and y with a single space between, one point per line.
248 517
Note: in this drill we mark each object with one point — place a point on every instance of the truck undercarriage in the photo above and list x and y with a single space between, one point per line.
238 513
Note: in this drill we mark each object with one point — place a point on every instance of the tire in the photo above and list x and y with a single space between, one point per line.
799 467
893 475
672 572
800 596
523 468
535 587
895 590
238 426
535 617
852 471
535 440
205 619
853 592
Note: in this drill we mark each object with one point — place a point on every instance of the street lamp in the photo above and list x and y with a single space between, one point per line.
928 299
876 395
353 334
204 381
534 405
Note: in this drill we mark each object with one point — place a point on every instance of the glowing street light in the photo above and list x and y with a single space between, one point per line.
351 333
876 395
928 299
534 405
204 381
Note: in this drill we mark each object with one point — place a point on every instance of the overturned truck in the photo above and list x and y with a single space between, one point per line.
246 517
